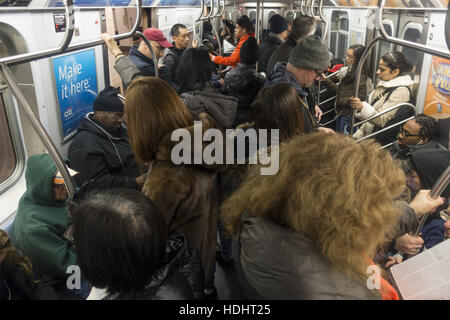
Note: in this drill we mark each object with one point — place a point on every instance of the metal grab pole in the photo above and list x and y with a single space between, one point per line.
198 20
438 187
39 128
215 29
155 60
323 20
27 57
358 76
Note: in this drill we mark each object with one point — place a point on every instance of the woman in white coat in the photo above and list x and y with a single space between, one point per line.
392 89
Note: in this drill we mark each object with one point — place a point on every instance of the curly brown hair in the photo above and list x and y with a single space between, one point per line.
330 189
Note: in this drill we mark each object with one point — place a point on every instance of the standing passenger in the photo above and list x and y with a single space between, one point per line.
278 32
186 192
306 63
179 34
142 56
243 82
243 30
301 27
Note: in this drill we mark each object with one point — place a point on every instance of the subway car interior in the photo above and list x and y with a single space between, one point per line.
54 63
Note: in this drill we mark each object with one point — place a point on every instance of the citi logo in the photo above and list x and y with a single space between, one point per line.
68 112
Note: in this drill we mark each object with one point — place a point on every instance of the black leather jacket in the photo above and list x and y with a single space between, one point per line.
181 277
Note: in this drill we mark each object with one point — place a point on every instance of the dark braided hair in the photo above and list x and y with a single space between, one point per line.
428 127
397 60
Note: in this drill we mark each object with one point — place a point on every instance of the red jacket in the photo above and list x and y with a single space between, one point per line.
234 59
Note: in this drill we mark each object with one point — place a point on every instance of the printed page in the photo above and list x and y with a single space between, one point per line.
425 276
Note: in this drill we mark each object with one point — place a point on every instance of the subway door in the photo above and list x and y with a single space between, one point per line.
413 26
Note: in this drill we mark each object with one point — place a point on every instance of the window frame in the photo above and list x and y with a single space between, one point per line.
18 145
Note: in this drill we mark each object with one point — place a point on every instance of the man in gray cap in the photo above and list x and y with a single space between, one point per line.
305 65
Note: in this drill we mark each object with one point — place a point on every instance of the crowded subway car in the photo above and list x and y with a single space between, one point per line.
204 150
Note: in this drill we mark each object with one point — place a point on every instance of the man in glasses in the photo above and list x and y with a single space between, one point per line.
422 132
305 65
101 150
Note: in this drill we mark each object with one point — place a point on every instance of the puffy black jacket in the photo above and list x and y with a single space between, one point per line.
98 154
171 61
268 46
181 277
244 83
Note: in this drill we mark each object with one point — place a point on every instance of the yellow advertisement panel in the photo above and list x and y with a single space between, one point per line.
437 100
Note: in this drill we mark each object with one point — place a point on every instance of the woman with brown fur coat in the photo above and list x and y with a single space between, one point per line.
185 192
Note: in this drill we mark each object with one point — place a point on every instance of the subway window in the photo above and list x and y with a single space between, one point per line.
386 47
339 34
413 33
8 159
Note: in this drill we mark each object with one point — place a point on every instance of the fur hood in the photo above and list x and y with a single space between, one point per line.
400 81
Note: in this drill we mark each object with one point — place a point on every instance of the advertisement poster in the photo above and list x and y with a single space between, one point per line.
437 100
76 87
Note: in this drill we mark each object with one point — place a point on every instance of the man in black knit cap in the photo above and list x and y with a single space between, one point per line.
101 150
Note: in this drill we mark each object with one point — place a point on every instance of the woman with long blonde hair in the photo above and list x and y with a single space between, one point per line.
311 230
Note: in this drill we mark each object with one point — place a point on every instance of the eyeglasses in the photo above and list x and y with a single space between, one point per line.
318 73
407 134
349 56
118 116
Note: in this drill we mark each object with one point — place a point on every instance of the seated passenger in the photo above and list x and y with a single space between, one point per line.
18 279
183 188
278 32
306 63
301 27
422 132
391 90
40 224
329 220
347 76
101 150
243 30
243 82
142 56
197 92
141 263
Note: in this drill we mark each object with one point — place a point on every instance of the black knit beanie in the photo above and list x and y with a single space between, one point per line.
249 53
278 24
107 100
310 53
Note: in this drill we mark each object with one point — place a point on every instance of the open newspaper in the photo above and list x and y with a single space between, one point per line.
425 276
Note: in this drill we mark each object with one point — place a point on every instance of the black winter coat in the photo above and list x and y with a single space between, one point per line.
147 67
181 277
281 54
268 46
244 83
171 61
98 154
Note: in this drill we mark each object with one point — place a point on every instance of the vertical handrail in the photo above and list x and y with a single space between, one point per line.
155 60
323 20
196 35
215 29
39 128
258 16
5 72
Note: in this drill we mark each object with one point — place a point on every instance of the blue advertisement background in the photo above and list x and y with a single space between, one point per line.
76 87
